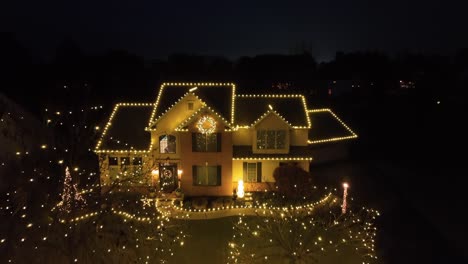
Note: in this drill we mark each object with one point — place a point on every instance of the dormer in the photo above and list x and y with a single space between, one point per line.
271 134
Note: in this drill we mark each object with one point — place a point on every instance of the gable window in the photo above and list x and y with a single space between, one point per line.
206 175
206 142
252 171
271 139
190 106
167 144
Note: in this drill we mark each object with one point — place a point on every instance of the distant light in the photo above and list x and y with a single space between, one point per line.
271 107
48 121
18 153
193 89
75 169
57 113
60 162
97 128
438 102
345 185
155 172
43 146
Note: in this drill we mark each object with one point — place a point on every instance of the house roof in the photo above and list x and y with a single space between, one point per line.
204 109
218 96
292 108
327 127
126 129
295 152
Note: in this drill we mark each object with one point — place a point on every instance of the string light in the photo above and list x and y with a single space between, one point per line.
353 135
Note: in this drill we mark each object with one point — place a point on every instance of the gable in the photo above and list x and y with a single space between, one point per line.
177 113
204 116
271 120
292 108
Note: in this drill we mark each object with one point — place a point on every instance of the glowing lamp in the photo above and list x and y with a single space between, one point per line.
240 189
155 172
345 194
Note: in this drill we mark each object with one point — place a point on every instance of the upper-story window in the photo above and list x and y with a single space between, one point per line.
206 142
271 139
190 105
167 144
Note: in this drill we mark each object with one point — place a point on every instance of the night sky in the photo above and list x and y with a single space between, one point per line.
236 28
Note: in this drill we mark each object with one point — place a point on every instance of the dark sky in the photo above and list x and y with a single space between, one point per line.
234 28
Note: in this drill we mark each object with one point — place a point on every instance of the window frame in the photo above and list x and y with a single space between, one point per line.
258 172
264 136
195 137
161 137
195 175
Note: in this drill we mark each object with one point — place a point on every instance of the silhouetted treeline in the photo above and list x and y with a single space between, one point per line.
76 78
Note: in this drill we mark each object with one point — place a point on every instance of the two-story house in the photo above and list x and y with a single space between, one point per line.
205 137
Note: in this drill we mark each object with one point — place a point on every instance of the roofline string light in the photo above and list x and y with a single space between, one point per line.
151 121
302 97
271 111
353 135
109 124
274 158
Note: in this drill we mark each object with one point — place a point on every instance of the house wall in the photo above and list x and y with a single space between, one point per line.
242 137
223 158
299 137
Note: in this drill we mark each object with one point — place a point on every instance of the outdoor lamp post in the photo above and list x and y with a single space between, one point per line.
345 194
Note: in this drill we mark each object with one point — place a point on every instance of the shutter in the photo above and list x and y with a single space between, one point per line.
245 176
259 172
194 140
194 175
218 142
218 174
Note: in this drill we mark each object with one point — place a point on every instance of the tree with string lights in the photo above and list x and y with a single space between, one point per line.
302 234
71 198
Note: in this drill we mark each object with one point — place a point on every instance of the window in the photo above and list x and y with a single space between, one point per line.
167 144
207 175
190 106
252 171
271 139
124 161
206 142
137 161
113 161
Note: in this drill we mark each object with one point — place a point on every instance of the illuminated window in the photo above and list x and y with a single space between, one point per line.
113 161
252 171
271 139
206 175
206 142
167 144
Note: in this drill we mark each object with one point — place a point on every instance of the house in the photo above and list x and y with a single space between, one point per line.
205 137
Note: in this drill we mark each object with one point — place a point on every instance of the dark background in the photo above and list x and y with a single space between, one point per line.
356 57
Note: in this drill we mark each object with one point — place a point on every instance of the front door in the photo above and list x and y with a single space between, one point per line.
168 177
